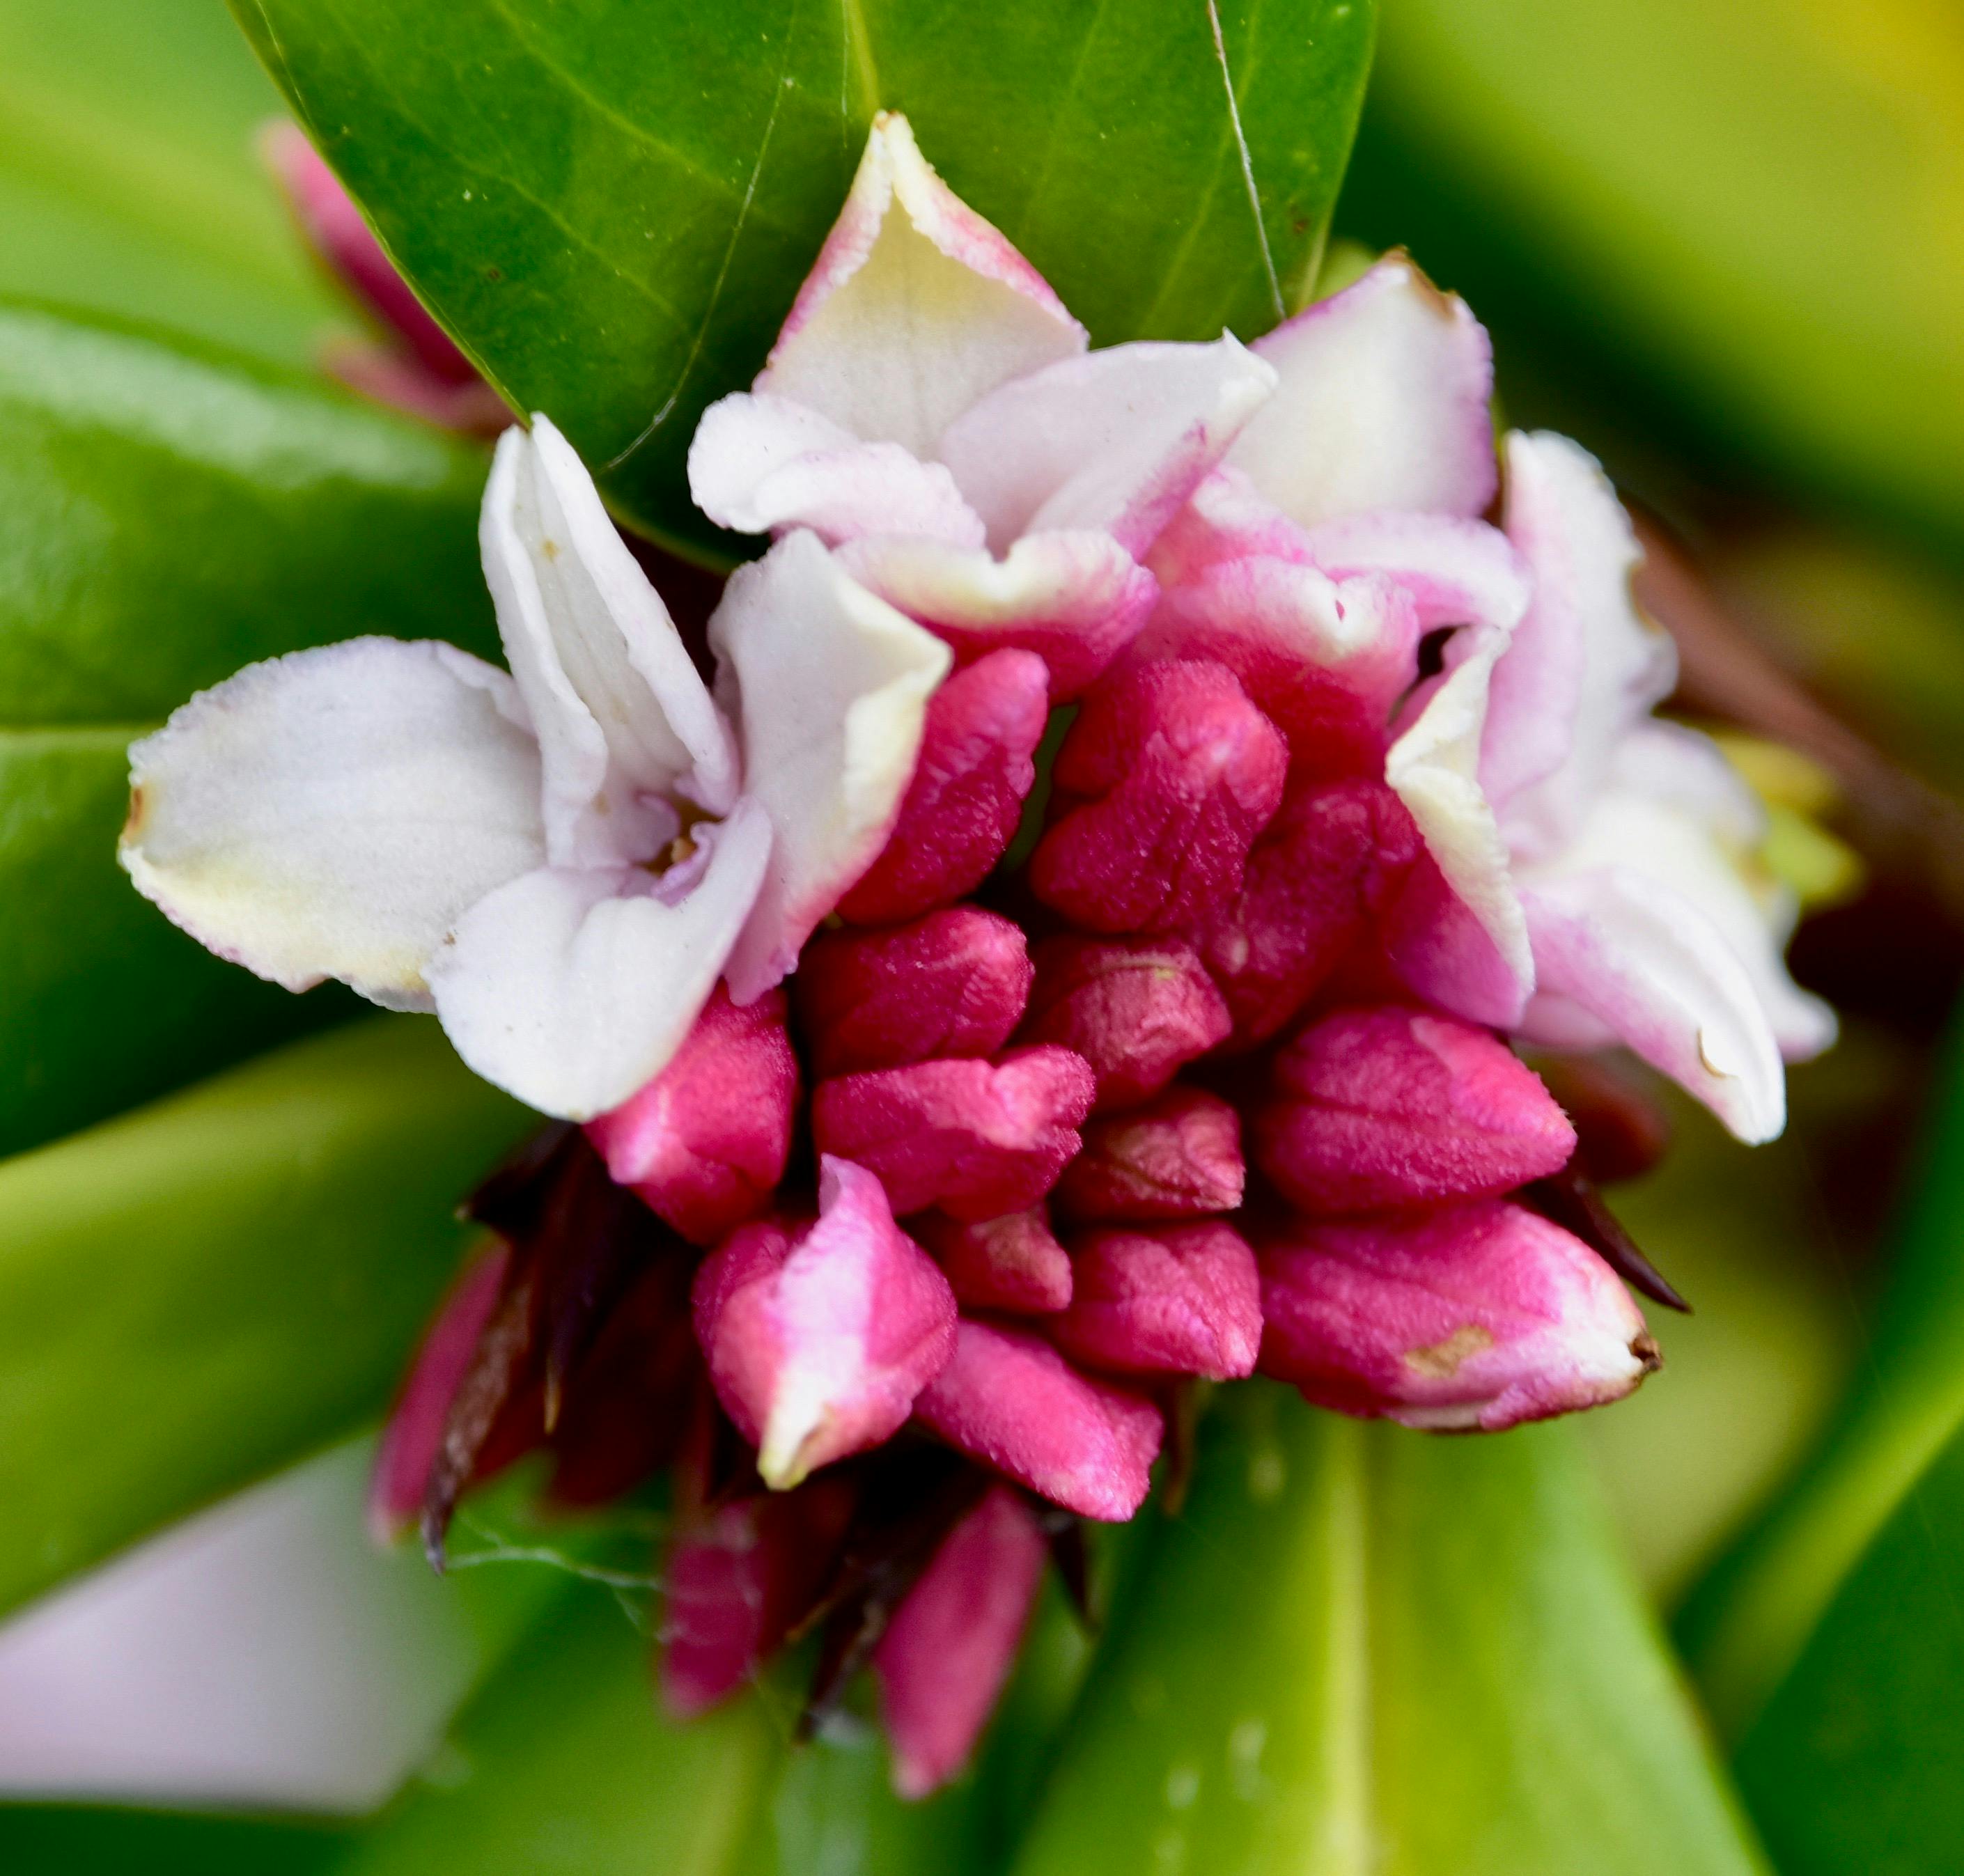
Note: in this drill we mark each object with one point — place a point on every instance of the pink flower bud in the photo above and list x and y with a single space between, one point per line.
1379 1108
1138 1011
818 1343
414 1428
706 1141
1012 1263
1165 779
1333 855
1009 1398
943 1662
1178 1157
1476 1315
1171 1299
953 983
739 1581
960 810
978 1139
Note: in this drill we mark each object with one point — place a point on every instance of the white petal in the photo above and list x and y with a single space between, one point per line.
573 988
1433 767
916 307
832 684
1646 963
1585 666
1118 440
333 812
1383 404
759 464
624 720
1679 815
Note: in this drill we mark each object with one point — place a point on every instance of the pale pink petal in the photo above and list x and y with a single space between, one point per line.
1633 954
760 464
1009 1398
948 1650
333 813
1483 971
572 990
1482 1315
1585 666
832 686
915 308
1454 572
1116 441
1382 403
705 1142
820 1353
1076 599
624 721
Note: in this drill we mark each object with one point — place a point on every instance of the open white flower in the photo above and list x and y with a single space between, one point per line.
561 861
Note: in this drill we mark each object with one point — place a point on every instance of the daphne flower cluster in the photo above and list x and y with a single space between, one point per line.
937 1128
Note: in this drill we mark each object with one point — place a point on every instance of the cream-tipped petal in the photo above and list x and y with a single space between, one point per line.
761 464
573 990
1076 599
333 812
1118 440
831 685
916 307
624 720
1382 404
1433 767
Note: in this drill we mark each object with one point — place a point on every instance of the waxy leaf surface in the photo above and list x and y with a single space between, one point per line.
1362 1649
205 1289
611 205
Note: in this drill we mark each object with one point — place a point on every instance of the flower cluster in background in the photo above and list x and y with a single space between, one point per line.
1056 938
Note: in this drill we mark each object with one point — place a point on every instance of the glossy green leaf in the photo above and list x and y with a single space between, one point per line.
1856 1766
1363 1650
129 182
208 1288
1749 1622
1744 214
168 514
612 204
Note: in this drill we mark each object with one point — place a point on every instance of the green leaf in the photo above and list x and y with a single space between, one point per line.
199 1292
1750 1621
171 514
1736 213
81 1840
611 205
563 1767
1363 1650
128 180
1856 1766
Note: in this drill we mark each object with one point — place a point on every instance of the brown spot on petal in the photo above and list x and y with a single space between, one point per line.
139 814
1440 1360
